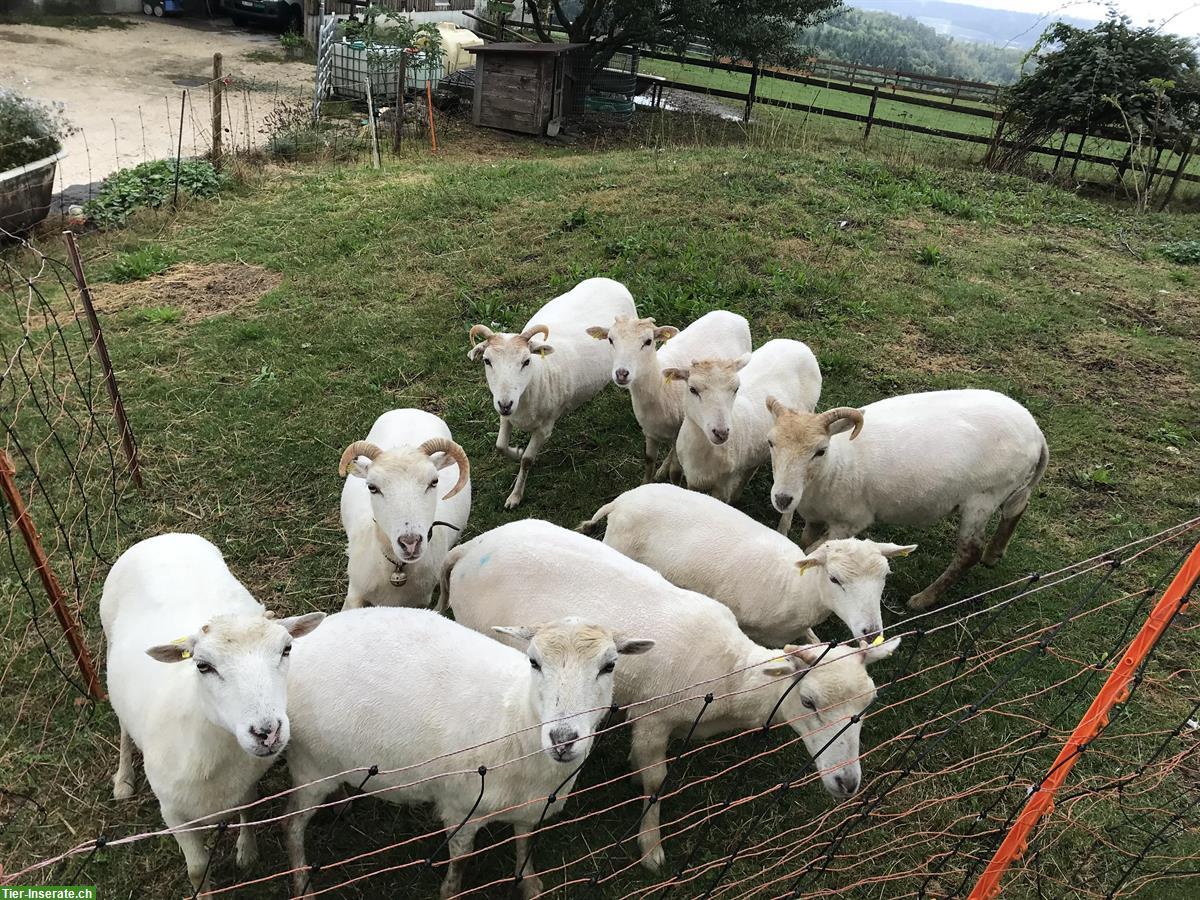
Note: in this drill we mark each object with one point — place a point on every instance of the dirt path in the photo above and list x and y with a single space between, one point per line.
123 88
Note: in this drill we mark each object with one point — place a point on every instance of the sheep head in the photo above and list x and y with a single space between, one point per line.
509 361
633 346
712 386
799 443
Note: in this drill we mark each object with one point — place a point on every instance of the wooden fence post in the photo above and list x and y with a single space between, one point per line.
1062 145
398 133
218 89
871 114
753 92
58 600
1183 161
1078 154
110 377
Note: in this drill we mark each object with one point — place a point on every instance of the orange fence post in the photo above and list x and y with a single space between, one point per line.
1114 691
58 600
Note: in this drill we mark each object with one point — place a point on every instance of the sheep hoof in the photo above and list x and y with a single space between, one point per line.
922 601
991 559
513 501
654 859
247 849
122 788
531 886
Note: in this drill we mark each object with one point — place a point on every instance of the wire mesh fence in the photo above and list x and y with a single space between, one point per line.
962 725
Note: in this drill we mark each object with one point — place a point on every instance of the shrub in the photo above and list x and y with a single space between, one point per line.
140 264
29 130
1186 253
150 184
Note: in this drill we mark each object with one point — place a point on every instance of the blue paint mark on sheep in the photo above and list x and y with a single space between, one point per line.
483 560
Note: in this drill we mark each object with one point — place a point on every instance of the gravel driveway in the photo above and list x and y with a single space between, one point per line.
123 88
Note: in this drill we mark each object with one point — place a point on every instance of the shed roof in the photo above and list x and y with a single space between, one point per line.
527 48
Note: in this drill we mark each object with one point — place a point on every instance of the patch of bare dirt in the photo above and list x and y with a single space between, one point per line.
198 292
1123 369
914 352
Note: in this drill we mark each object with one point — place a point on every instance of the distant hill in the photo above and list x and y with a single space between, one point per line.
999 27
895 42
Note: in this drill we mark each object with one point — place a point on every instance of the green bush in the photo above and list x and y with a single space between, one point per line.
1185 253
29 130
150 184
139 264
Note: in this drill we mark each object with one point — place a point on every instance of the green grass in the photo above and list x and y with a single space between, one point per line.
139 264
241 418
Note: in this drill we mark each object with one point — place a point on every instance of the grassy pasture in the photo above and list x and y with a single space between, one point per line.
901 277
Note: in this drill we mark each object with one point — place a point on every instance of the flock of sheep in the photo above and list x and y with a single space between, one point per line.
686 598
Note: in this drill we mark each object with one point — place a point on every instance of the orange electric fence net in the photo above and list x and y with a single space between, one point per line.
970 713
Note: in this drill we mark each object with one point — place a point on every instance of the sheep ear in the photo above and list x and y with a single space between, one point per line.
809 562
520 632
774 407
742 361
477 351
839 426
598 333
360 466
299 626
441 460
541 349
665 332
676 374
779 668
176 651
632 646
893 550
880 649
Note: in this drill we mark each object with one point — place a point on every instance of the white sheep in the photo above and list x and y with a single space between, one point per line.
208 730
638 366
911 460
406 689
535 382
533 570
723 438
405 507
774 590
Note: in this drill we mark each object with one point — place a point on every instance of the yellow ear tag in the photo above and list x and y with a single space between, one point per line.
878 640
187 654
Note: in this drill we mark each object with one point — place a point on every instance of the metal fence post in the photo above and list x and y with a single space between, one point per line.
54 591
110 378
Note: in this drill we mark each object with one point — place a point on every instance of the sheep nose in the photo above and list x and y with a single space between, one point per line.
720 435
505 407
267 733
410 545
621 376
847 784
564 738
783 501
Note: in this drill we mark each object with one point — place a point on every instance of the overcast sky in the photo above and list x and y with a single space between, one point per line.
1143 12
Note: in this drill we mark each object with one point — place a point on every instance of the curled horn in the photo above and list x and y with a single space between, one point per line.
355 450
844 412
528 333
480 331
456 453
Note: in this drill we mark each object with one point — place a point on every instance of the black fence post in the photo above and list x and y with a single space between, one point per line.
753 92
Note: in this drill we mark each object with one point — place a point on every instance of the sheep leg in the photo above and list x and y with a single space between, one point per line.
195 852
649 755
669 467
970 549
460 845
648 459
125 781
1004 532
536 439
811 534
503 438
301 809
531 885
247 840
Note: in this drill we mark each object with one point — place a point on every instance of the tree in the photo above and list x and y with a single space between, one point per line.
759 30
1136 82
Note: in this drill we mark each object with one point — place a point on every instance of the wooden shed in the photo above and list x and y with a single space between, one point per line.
523 86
